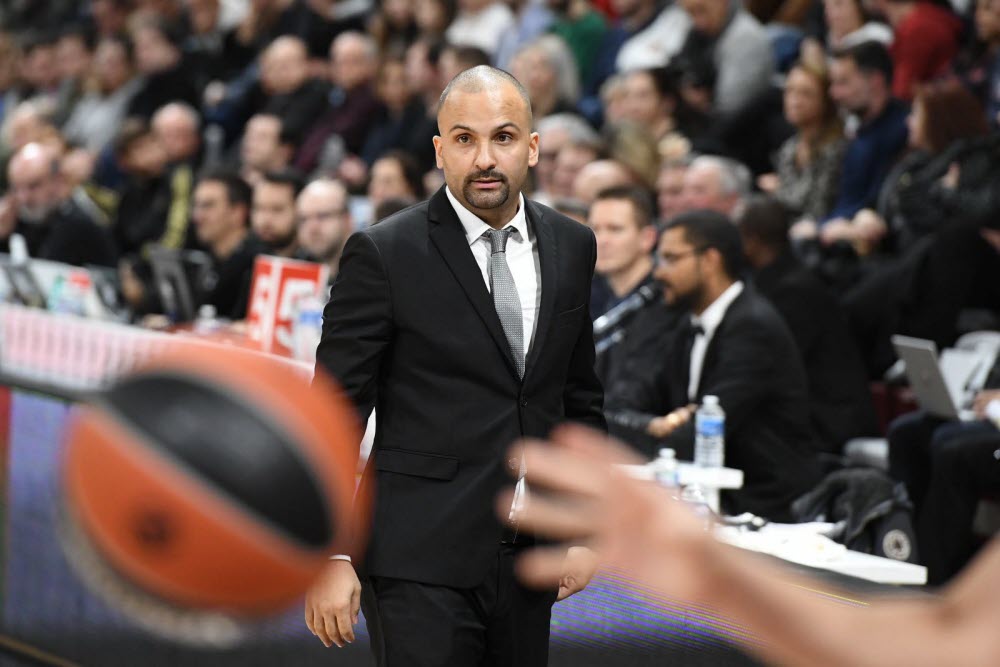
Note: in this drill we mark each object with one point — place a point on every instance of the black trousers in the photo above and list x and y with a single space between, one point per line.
947 468
499 623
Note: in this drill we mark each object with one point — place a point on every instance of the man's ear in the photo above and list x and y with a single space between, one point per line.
438 143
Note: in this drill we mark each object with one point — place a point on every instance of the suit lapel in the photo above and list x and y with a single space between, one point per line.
448 236
711 352
548 253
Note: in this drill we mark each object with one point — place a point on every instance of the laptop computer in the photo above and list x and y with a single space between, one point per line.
944 386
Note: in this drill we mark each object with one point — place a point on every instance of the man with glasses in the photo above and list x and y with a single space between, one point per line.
734 346
324 222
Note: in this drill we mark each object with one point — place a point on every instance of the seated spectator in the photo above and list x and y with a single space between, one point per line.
716 184
947 131
286 89
725 34
265 147
601 175
39 209
39 68
456 58
947 468
272 216
840 404
571 159
548 72
10 60
847 24
177 127
96 118
808 164
155 203
221 218
861 85
324 222
925 42
581 27
158 58
554 133
395 175
400 113
352 106
433 17
737 348
670 188
393 25
622 222
652 99
480 23
987 81
424 80
74 55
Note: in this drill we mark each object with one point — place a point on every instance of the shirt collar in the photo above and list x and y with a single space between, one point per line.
475 227
711 318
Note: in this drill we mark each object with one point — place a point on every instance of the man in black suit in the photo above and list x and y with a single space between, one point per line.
737 348
840 403
465 320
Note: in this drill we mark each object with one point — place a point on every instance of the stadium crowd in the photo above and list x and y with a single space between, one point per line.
804 177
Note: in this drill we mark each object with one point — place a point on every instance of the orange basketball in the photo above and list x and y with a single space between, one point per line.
211 480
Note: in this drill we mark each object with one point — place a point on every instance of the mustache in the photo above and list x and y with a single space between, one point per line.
489 174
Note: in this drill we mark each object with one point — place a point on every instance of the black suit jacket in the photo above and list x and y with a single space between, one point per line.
411 330
754 368
840 402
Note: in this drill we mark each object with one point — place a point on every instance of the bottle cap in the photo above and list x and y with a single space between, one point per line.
667 453
710 400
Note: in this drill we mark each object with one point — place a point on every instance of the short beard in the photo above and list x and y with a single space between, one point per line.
486 200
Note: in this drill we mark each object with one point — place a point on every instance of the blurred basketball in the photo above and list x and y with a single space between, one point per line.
209 488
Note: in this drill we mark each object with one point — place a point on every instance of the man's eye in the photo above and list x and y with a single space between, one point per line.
463 139
504 137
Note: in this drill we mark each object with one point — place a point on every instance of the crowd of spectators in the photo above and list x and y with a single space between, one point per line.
802 178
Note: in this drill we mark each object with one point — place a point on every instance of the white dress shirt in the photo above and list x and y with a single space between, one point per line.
709 320
522 258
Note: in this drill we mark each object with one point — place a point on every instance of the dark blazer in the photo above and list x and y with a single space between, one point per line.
754 368
840 402
411 330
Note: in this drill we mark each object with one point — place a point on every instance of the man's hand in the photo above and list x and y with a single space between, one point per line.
333 603
633 526
983 398
578 569
661 427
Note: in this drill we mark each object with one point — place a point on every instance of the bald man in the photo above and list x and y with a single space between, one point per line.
324 221
39 208
466 318
176 126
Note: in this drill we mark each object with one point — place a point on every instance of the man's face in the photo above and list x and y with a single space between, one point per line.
111 66
387 182
707 16
324 221
273 214
284 67
703 189
678 269
641 101
570 161
486 146
988 20
35 190
261 141
212 214
670 191
350 64
849 87
621 243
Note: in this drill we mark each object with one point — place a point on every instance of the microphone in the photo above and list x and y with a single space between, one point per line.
609 320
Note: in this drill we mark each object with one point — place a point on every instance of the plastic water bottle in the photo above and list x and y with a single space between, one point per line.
665 468
709 442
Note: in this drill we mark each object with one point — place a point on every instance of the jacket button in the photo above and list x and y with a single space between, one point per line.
524 402
513 464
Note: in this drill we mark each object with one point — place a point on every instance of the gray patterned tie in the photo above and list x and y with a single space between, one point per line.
505 297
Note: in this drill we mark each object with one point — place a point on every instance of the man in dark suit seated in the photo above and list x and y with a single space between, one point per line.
622 220
737 348
840 402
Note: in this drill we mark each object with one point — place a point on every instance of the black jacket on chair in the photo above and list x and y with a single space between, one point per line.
411 331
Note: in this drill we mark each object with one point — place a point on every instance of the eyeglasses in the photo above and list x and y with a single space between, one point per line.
671 258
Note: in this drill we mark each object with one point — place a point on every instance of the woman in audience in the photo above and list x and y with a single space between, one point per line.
808 163
547 70
848 25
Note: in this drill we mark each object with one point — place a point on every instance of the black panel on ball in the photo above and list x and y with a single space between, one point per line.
231 445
